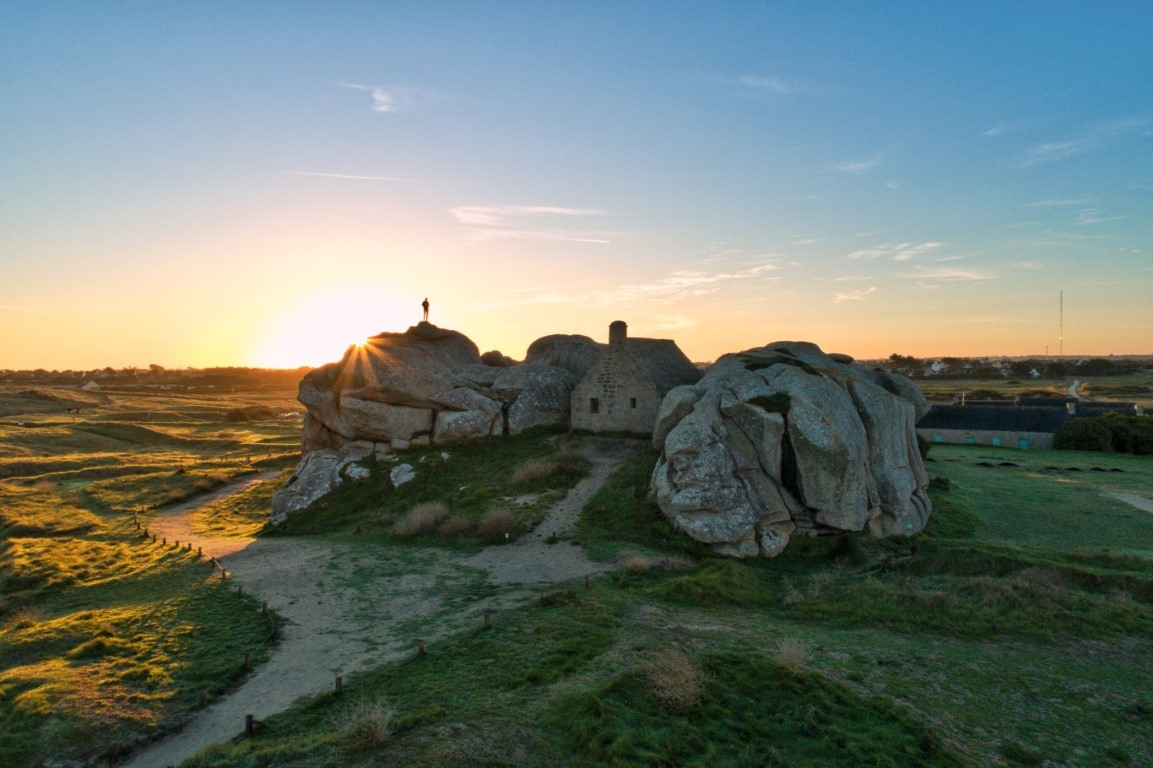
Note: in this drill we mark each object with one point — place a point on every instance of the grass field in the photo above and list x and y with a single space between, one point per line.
1132 388
1016 631
108 638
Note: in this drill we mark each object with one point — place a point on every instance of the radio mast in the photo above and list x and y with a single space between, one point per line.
1061 332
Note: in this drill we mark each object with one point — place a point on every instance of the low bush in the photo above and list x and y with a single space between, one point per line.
365 725
676 682
498 525
422 518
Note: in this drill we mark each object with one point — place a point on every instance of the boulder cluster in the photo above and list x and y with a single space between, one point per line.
784 440
428 385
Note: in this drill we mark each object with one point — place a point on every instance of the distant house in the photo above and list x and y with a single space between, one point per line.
91 385
623 389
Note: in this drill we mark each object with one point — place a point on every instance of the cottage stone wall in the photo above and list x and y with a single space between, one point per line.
626 400
1034 440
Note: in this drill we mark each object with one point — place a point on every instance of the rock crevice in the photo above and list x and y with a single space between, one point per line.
785 439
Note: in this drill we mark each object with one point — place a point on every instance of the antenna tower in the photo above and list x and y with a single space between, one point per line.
1061 337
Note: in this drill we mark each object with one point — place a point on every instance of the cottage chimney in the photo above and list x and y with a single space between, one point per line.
618 332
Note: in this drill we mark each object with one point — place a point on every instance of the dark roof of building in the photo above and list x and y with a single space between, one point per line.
1045 402
984 419
663 362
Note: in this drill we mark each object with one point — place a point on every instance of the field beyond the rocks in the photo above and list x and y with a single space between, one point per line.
1017 630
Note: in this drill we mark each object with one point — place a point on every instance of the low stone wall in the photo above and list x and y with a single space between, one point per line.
1033 440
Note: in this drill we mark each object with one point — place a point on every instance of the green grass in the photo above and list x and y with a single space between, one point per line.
477 476
107 638
970 644
1014 631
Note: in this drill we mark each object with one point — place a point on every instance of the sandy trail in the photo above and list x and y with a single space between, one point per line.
353 608
175 523
1133 500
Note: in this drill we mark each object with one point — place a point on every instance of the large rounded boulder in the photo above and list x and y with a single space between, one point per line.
784 440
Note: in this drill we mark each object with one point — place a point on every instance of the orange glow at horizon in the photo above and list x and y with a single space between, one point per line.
319 329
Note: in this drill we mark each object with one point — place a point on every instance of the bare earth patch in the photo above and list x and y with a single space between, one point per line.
1133 500
352 608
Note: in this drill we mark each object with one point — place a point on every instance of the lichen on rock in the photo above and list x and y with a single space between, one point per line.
785 439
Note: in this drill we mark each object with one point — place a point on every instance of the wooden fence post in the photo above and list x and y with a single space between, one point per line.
249 724
339 684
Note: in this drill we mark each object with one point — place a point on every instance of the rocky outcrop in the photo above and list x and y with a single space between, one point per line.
784 439
318 474
426 385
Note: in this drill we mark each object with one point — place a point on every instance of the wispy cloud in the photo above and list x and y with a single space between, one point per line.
852 278
508 222
1088 138
671 322
857 167
1060 203
389 99
347 176
854 295
660 291
895 251
773 84
1093 216
946 273
682 284
544 297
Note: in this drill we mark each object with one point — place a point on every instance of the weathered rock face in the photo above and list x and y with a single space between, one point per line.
426 385
785 439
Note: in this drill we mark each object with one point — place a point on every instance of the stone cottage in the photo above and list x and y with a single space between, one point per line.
623 389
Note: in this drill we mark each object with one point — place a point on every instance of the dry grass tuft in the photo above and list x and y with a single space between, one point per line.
421 519
365 725
790 595
635 562
531 470
791 653
24 617
106 630
498 525
676 682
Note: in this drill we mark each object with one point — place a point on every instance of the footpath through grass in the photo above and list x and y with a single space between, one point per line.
983 641
108 638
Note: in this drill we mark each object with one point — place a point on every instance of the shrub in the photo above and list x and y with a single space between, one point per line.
634 562
236 416
420 519
1111 432
531 470
497 525
365 725
791 653
674 679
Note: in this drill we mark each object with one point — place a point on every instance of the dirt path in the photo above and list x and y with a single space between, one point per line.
175 523
350 608
1133 500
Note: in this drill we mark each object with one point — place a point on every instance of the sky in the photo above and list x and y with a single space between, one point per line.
263 183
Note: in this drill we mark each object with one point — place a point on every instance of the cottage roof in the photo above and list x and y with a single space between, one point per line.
988 419
662 361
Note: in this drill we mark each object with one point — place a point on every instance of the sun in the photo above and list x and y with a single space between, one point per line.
320 328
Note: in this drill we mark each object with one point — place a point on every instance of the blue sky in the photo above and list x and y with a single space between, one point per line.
206 183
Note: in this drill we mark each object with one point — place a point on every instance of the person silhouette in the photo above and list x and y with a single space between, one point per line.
424 304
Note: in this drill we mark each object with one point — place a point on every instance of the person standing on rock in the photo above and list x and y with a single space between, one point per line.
424 305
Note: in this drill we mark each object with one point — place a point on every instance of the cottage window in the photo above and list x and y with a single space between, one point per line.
970 439
1022 443
632 402
996 441
594 405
